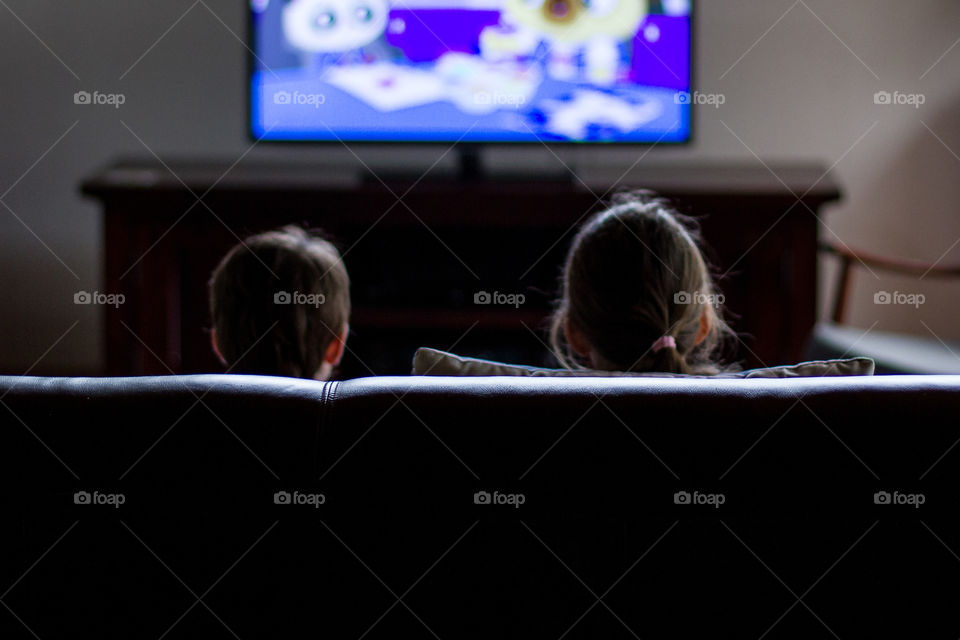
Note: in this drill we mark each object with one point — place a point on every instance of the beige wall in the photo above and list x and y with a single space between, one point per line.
800 93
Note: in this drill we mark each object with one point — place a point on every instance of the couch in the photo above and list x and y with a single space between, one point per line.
253 507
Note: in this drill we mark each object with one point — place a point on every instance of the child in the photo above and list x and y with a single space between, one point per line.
280 304
637 294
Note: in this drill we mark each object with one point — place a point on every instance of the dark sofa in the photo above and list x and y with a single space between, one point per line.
252 507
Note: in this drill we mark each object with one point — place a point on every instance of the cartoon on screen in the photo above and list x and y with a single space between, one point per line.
483 70
337 30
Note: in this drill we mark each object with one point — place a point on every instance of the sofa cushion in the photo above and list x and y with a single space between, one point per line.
440 363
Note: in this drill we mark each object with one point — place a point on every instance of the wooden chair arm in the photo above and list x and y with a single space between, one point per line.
897 265
849 258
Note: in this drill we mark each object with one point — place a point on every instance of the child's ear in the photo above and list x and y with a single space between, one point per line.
336 348
216 348
705 325
576 340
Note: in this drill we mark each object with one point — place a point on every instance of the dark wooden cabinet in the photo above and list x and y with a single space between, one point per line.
418 253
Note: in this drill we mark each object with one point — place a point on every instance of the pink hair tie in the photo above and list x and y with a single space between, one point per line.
664 342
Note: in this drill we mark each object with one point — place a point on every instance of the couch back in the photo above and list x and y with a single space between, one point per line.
244 506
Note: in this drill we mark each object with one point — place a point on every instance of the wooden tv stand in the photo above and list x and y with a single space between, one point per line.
419 253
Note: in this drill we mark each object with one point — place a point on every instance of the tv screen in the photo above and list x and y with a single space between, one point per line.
498 71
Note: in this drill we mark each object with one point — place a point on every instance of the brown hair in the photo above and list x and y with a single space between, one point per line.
290 280
634 274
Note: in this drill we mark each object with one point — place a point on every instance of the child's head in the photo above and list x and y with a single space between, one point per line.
637 293
293 282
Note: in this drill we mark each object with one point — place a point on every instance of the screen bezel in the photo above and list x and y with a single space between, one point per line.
619 144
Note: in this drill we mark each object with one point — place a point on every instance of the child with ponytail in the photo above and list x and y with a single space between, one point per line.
637 294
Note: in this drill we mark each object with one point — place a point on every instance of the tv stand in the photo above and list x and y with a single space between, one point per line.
417 266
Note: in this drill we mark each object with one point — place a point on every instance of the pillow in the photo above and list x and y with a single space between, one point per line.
440 363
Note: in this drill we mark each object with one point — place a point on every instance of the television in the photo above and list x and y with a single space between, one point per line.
471 71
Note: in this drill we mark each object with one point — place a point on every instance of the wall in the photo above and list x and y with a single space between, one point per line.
799 79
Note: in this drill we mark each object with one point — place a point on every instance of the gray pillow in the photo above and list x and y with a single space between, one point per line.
440 363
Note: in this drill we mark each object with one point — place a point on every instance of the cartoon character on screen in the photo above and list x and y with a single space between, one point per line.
337 31
590 31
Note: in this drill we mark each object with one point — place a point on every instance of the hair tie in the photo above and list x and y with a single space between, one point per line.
664 342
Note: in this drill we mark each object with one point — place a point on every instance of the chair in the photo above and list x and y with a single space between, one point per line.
894 353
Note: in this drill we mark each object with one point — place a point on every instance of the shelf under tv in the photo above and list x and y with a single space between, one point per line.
416 263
